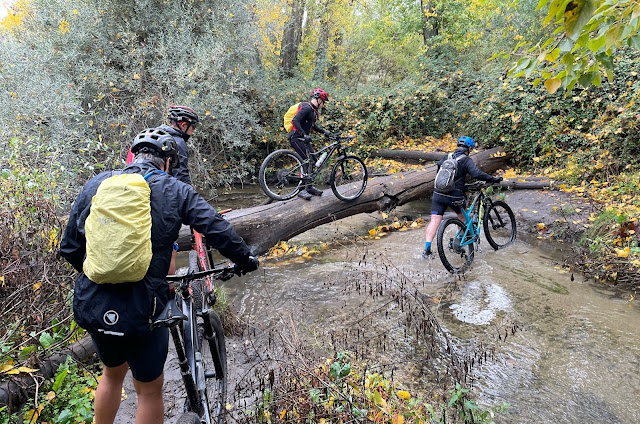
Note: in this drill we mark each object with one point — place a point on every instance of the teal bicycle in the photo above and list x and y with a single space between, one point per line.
457 241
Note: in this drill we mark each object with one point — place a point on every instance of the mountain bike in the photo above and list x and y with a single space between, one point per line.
198 335
458 241
284 173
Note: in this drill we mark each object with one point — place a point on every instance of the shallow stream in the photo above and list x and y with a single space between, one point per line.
574 357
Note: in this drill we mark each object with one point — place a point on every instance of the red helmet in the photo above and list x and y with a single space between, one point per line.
319 93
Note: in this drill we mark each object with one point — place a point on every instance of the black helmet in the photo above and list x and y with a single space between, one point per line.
182 113
157 142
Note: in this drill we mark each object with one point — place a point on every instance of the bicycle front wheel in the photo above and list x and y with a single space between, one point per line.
214 356
499 225
281 174
455 256
349 178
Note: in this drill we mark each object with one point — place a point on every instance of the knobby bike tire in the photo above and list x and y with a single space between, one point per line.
455 259
348 178
196 285
214 356
499 225
274 173
189 418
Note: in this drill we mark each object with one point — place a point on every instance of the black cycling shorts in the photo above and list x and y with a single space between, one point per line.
145 355
439 204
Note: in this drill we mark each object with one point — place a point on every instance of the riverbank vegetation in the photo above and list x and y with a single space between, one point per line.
80 79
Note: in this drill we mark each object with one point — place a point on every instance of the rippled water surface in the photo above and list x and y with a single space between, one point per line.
574 359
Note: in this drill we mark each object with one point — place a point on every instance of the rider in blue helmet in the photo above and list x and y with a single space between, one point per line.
455 197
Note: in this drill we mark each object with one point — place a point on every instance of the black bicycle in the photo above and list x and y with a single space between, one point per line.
284 173
198 336
457 241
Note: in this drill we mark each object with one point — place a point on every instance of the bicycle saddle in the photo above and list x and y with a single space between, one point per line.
169 316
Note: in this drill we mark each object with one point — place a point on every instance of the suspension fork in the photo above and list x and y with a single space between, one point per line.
185 371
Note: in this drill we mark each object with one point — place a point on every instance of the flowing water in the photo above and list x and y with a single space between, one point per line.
573 359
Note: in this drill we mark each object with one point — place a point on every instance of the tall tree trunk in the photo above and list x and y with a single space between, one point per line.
322 50
291 39
429 22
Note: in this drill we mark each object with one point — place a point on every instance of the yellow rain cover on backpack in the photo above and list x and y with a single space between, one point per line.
118 230
288 125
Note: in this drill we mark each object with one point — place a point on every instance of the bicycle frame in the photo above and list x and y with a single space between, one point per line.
183 326
473 220
309 177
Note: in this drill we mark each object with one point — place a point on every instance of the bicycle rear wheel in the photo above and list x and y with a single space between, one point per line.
348 178
281 173
454 257
499 225
214 357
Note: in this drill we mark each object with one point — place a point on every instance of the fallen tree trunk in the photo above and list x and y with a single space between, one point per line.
412 155
264 226
15 392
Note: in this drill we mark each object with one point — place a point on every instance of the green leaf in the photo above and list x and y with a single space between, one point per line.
576 15
634 41
46 340
59 380
24 353
595 44
553 55
586 79
612 36
597 79
565 46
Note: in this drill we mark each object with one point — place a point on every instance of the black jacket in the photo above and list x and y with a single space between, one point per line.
181 172
173 203
466 166
305 120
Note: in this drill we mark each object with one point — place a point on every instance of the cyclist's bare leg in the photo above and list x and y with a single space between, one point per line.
432 228
150 403
109 393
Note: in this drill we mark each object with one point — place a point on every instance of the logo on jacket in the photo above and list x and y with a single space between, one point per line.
110 317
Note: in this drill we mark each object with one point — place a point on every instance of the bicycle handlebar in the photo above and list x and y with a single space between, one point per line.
222 273
478 185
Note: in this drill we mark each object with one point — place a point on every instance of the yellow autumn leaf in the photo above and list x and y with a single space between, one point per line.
1 280
37 286
194 92
51 395
136 76
403 394
397 419
283 413
623 253
372 232
540 225
552 85
5 368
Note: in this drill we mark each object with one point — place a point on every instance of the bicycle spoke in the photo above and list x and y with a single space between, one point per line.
349 178
499 225
455 250
281 175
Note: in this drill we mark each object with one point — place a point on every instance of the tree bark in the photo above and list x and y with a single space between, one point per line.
412 155
15 392
264 226
291 39
429 23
